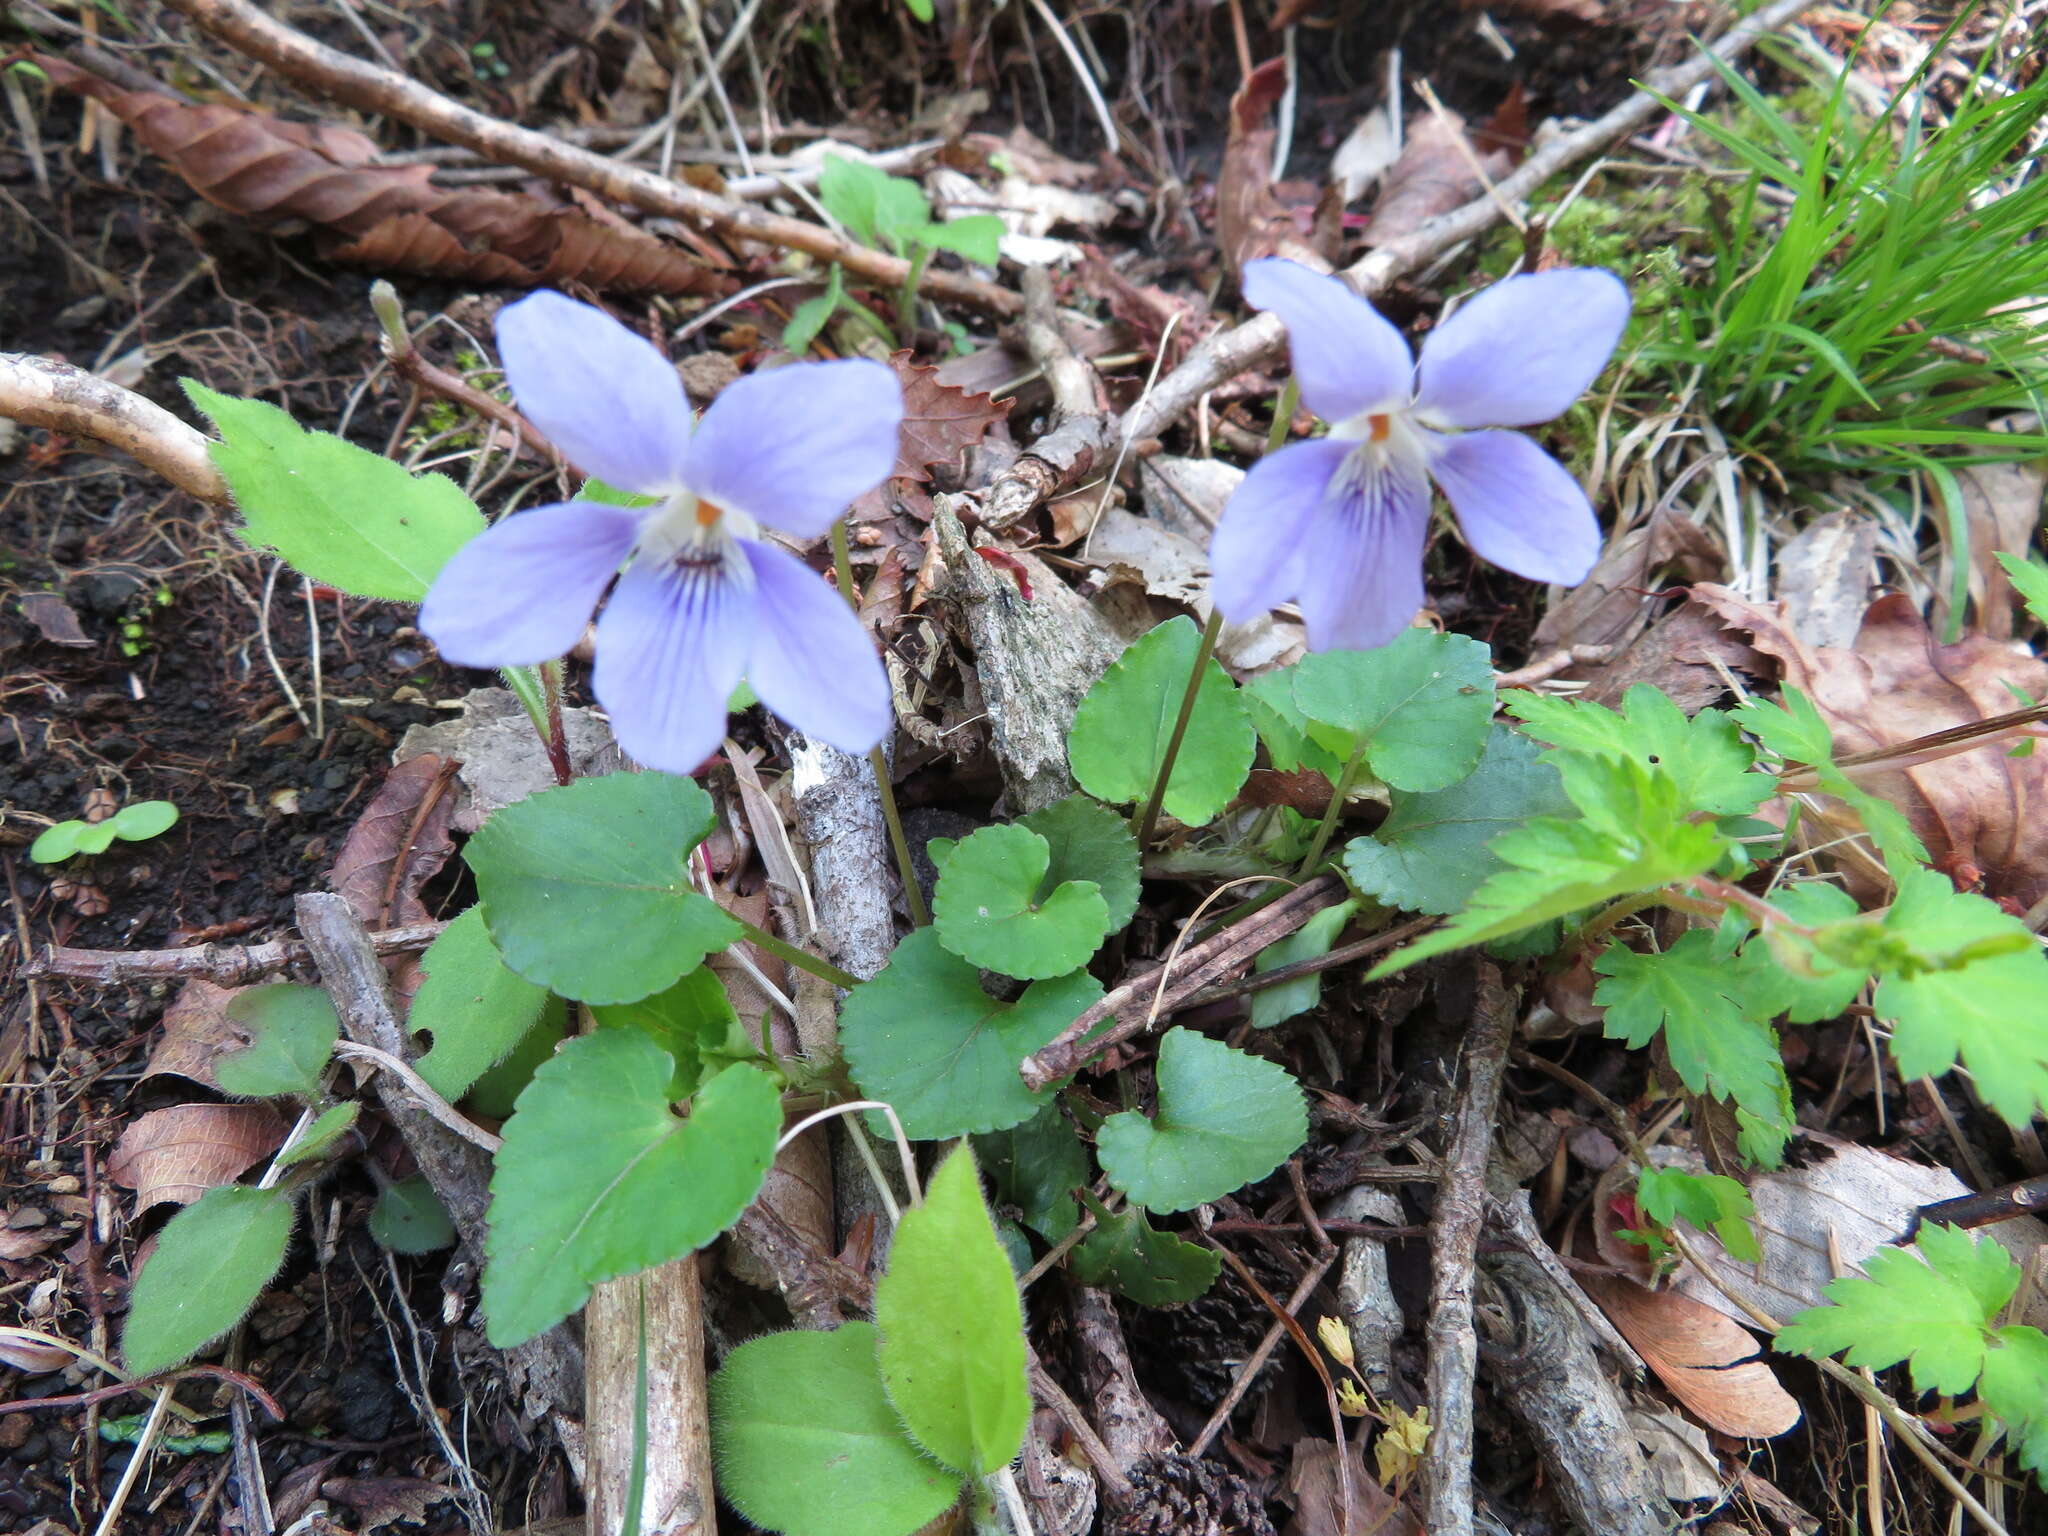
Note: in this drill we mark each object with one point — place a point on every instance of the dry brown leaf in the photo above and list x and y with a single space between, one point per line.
1979 812
382 1501
26 1243
267 169
1436 173
1613 605
182 1152
1251 221
940 423
1709 1362
1147 311
2003 504
1318 1503
54 619
196 1032
1825 575
398 843
502 758
1677 654
21 1352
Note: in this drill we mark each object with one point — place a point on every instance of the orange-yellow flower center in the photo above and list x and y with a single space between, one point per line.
708 513
1380 426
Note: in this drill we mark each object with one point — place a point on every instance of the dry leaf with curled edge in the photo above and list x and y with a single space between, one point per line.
1251 221
398 843
940 423
182 1152
388 216
1711 1364
1979 812
1438 170
197 1031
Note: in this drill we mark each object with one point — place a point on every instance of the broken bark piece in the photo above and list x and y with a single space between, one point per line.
1036 658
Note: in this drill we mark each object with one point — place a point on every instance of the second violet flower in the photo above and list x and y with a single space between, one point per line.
1337 524
703 600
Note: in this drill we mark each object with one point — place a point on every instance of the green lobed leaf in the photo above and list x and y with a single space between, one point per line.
1716 1045
1631 837
475 1007
212 1261
1419 708
1932 1308
608 856
925 1037
877 209
1035 1167
409 1218
330 1126
952 1350
1310 941
1225 1119
1119 735
337 513
1089 841
988 907
598 1178
694 1021
2029 580
1127 1254
2014 1387
292 1031
808 1445
1706 756
1991 1010
57 842
1784 974
143 819
977 236
1795 731
1712 1202
1430 854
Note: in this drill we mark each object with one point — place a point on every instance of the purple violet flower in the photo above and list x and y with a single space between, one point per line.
703 601
1337 524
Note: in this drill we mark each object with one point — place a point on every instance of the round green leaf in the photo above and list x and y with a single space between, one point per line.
1089 841
472 1004
330 1127
291 1029
145 819
57 842
693 1021
409 1218
952 1350
923 1036
1419 707
1036 1167
808 1444
1430 854
598 1177
1126 1254
95 836
1225 1119
988 909
1119 735
586 889
212 1261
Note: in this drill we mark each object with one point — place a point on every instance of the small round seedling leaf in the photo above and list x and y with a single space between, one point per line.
212 1261
1126 1254
926 1038
1430 854
988 908
809 1446
334 1123
599 1178
1419 707
693 1021
144 819
1225 1119
409 1218
474 1006
1118 739
952 1351
95 836
606 856
1035 1167
291 1029
57 843
1089 841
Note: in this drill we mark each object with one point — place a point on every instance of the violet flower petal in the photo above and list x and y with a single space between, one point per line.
604 396
812 661
1521 351
792 446
671 647
1255 556
1362 561
1520 509
1348 358
521 591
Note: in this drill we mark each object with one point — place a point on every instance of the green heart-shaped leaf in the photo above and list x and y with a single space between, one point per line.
409 1218
586 889
1225 1119
1036 1167
693 1021
1091 842
1418 707
474 1006
291 1029
988 909
1126 1254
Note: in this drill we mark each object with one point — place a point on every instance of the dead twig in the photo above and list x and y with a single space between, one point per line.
372 88
1454 1246
223 965
61 398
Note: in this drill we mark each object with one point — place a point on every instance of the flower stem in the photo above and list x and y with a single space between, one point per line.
1333 815
1283 414
906 298
824 970
878 762
542 701
1149 819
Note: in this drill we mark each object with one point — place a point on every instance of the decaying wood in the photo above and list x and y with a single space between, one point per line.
1373 1319
38 392
1540 1359
226 965
1131 1429
676 1496
1067 451
459 1172
1454 1245
1035 658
